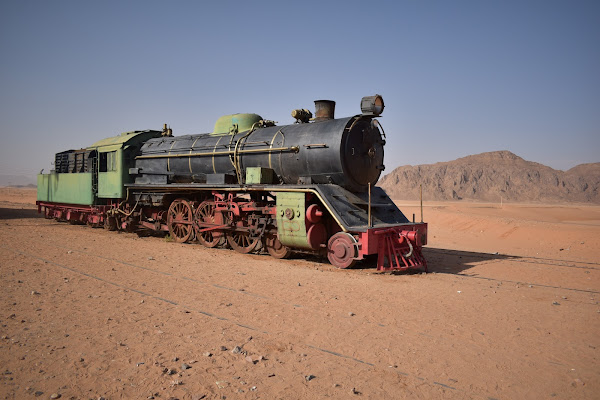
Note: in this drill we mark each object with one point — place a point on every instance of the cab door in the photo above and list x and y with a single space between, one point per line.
110 174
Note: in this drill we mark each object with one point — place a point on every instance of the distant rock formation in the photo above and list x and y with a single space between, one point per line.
492 176
17 179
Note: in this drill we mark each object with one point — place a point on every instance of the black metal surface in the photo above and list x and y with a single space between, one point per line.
352 208
73 161
347 152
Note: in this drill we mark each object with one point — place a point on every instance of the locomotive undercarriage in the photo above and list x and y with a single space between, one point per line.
245 222
327 221
94 216
335 223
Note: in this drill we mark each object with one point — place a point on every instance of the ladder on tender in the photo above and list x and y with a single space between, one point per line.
95 177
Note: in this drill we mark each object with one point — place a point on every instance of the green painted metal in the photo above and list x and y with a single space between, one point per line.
110 183
259 175
119 151
291 222
73 188
77 188
235 123
126 138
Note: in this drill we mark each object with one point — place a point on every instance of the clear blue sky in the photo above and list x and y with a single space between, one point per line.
457 77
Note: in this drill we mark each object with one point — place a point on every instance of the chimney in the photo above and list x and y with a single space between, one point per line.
324 110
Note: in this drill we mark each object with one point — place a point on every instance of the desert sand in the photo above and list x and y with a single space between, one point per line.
508 310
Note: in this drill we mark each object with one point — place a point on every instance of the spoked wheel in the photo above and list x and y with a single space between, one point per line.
241 240
276 248
205 214
342 250
179 220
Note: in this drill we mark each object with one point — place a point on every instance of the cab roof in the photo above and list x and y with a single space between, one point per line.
124 139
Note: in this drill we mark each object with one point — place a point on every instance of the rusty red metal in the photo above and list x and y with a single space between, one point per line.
342 250
316 235
314 214
92 215
324 110
397 248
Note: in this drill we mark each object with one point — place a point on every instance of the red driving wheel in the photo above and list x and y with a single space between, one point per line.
179 220
276 248
205 215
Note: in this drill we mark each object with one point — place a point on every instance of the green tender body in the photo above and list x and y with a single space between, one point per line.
65 188
77 187
292 232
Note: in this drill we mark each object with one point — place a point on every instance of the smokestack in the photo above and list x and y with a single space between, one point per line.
324 110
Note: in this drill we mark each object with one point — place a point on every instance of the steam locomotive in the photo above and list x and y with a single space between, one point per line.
250 185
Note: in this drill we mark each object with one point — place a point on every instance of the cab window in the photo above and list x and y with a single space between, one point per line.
108 161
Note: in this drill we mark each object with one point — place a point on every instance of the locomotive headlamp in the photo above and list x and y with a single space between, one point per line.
372 105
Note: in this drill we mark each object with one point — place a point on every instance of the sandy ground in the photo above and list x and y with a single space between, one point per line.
509 310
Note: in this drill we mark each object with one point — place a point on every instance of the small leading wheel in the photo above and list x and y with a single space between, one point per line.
205 215
179 220
276 248
342 250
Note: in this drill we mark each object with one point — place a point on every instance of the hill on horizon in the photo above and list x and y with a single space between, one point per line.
17 180
493 176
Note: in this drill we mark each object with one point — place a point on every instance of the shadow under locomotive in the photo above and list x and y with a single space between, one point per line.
446 261
18 213
441 261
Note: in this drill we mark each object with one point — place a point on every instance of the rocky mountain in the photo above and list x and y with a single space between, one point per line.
492 176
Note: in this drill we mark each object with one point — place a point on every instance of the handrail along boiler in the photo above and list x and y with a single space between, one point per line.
250 184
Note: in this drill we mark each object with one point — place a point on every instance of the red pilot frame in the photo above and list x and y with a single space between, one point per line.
397 248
